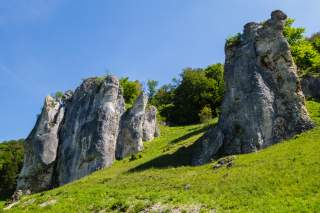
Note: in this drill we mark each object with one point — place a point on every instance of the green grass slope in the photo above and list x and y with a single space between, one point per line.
281 178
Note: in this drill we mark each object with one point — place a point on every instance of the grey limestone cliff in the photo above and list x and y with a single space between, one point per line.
78 134
263 102
90 129
150 128
131 129
41 148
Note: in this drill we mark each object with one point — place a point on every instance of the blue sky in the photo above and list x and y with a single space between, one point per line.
51 45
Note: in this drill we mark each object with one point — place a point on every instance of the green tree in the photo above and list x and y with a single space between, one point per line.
130 90
293 34
152 88
11 160
305 52
315 40
163 100
198 88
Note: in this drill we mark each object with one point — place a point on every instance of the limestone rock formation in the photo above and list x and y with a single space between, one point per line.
90 129
78 134
150 128
41 148
263 101
131 129
311 86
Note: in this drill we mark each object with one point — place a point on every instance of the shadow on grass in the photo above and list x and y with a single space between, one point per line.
189 135
181 157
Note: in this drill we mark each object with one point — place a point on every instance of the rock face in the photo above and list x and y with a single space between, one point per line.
78 134
263 101
131 129
41 148
311 86
90 129
150 128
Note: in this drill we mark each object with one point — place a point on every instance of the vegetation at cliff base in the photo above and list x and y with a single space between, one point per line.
282 178
11 160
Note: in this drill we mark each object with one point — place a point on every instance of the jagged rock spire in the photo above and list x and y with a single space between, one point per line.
263 102
77 134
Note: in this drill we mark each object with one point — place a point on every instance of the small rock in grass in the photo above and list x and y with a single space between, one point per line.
48 203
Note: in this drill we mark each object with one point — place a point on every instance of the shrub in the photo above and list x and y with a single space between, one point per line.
234 40
59 95
205 114
130 90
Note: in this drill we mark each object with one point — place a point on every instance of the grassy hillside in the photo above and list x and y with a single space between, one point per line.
281 178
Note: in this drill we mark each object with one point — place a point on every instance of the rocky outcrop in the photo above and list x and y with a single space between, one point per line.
263 102
150 127
311 86
89 133
78 134
41 148
131 129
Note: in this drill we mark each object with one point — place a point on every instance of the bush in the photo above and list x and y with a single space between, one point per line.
234 40
205 114
59 95
130 90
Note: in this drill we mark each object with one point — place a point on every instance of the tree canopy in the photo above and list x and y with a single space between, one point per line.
182 101
305 51
11 160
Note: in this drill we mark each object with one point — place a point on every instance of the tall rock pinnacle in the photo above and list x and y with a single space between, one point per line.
263 102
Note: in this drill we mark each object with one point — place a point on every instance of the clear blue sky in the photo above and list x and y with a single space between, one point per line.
50 45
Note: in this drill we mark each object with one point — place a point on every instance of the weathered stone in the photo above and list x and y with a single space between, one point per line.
77 134
311 86
263 102
90 129
150 127
41 148
131 129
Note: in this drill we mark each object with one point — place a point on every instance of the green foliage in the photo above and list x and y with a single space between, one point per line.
282 178
163 100
315 40
304 51
99 80
293 34
198 88
234 40
152 88
11 160
205 114
181 101
59 95
130 90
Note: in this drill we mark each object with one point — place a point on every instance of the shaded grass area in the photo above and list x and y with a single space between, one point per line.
282 178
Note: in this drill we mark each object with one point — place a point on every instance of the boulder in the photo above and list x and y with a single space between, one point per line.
41 148
311 86
263 102
89 133
131 129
